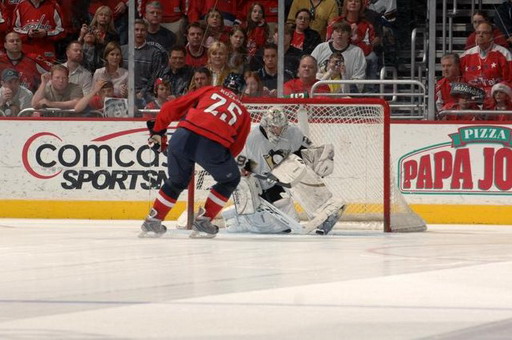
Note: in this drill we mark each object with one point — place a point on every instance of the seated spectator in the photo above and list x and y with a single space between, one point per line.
467 98
502 101
39 34
173 16
487 63
218 62
477 18
156 32
113 70
102 24
237 50
162 94
198 9
271 12
149 63
254 85
77 73
450 64
215 29
257 29
119 9
60 93
93 51
503 19
95 100
178 74
304 38
30 66
268 73
362 33
333 70
197 55
202 77
13 96
5 22
301 87
355 63
291 54
322 13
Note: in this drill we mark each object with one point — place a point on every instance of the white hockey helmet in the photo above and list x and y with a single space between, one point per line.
275 122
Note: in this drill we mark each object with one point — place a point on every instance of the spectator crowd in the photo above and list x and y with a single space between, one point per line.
74 54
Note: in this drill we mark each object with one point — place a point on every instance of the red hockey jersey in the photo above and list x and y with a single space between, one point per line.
46 16
30 68
486 70
213 112
443 96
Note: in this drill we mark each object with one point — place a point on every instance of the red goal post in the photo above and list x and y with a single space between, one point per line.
359 129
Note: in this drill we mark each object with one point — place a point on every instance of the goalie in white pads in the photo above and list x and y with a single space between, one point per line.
280 156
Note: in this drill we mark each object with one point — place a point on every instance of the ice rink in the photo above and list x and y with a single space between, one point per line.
62 279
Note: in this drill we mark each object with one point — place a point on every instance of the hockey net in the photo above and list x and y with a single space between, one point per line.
359 129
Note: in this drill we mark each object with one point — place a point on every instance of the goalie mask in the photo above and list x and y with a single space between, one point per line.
274 122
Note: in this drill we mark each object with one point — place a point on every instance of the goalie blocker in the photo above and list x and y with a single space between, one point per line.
253 214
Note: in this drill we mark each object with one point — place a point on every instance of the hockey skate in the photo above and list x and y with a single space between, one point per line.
152 227
330 222
203 227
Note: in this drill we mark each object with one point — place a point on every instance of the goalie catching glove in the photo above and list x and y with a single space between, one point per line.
320 159
157 139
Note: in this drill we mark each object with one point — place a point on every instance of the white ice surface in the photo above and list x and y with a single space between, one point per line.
63 279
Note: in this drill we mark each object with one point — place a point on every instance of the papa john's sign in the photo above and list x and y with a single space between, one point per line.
474 160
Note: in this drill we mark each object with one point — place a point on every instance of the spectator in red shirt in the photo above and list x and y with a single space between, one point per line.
228 9
196 53
477 18
39 23
5 22
450 64
487 63
271 11
304 38
215 29
301 87
95 100
502 101
257 28
30 66
162 94
467 98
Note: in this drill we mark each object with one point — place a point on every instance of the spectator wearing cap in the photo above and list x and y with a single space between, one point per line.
177 73
60 93
95 99
501 101
467 98
13 96
450 64
487 63
162 94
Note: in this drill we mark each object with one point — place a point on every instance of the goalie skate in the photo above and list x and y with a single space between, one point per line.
203 227
152 227
330 222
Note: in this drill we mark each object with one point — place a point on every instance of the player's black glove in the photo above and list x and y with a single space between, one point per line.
157 139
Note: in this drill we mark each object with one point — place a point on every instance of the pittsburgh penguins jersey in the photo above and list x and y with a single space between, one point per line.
267 155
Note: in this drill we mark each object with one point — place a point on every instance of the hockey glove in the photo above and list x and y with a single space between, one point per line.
157 139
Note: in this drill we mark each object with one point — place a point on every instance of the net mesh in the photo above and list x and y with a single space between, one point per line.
356 131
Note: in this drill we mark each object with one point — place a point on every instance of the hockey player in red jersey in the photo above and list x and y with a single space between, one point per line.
212 130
